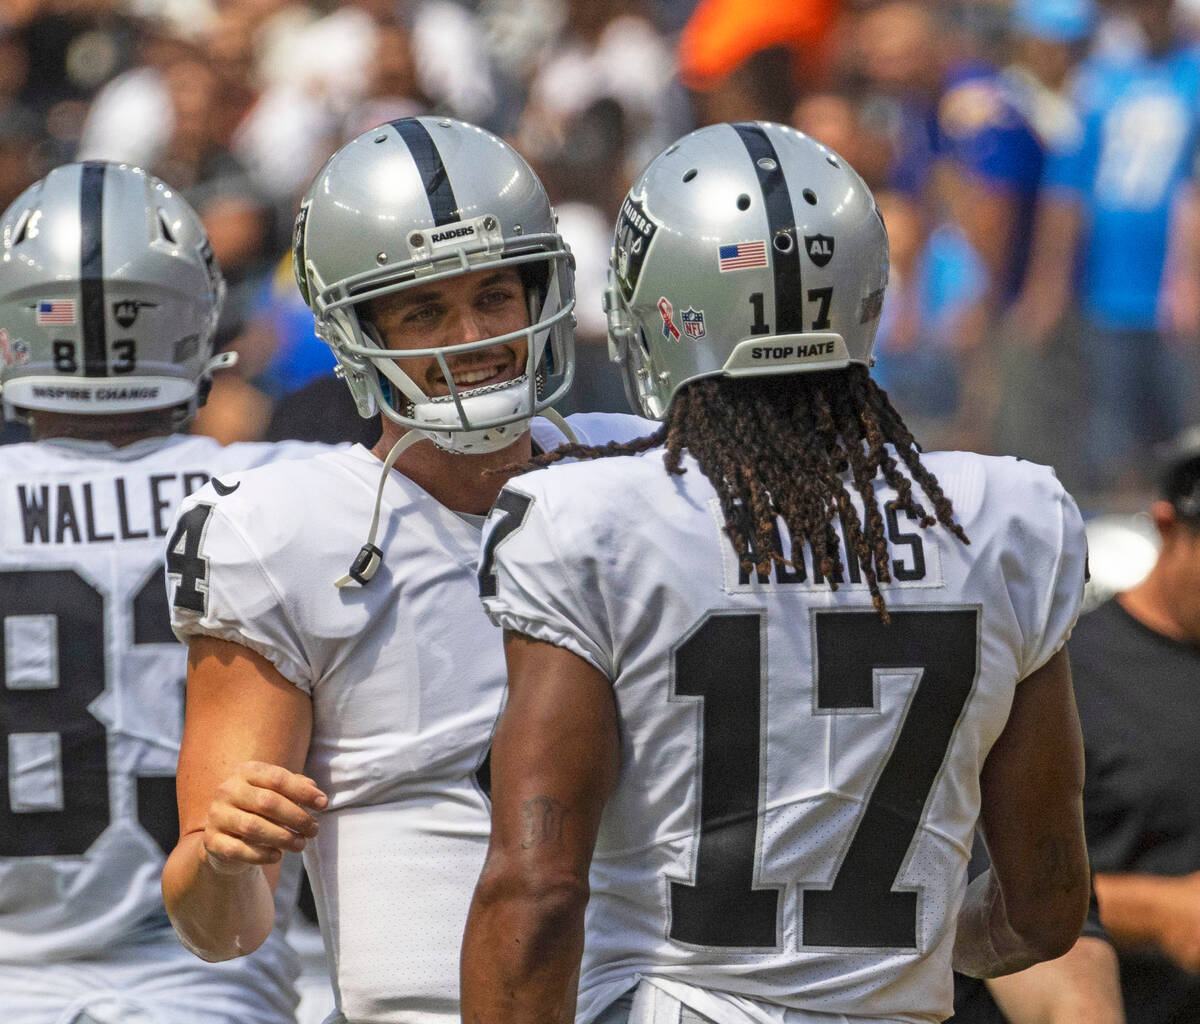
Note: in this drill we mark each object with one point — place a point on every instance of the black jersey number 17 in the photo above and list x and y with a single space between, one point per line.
720 664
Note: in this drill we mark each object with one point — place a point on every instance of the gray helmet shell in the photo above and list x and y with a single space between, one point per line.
415 201
109 295
743 249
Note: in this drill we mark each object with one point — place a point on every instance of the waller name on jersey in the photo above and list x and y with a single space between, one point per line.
91 512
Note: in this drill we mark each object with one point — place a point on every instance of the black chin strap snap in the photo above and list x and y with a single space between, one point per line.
365 564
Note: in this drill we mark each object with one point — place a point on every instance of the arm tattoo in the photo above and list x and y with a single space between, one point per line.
1058 866
543 821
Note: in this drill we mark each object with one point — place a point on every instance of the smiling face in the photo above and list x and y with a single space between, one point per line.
455 311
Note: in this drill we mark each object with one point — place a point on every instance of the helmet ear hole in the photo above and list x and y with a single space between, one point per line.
165 228
368 328
535 277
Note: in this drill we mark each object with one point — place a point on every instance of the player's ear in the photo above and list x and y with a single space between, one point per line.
1166 519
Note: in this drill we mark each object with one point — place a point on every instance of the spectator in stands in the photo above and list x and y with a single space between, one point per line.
896 53
997 126
932 320
607 49
1107 205
933 312
1137 663
586 174
73 47
841 120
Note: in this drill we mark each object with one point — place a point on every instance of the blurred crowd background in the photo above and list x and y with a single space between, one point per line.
1034 161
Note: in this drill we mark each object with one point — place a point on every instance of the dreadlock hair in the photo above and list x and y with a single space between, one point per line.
776 448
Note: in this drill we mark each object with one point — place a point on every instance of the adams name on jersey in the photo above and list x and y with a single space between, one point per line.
406 677
800 782
92 702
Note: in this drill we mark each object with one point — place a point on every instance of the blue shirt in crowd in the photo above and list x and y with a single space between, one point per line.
1139 125
984 128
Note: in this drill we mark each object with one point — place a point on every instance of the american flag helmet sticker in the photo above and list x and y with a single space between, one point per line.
742 256
54 312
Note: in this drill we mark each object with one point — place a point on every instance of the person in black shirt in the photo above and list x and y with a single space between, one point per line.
1137 679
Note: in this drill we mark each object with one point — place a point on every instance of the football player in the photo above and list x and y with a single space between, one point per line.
341 695
109 297
768 691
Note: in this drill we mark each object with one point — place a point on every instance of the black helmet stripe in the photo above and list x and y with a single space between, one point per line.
91 270
433 172
781 220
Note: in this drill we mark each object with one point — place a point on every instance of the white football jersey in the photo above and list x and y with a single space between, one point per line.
800 782
93 688
406 677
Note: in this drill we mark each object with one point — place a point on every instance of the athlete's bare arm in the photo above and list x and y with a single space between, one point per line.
555 762
242 801
1032 903
1082 987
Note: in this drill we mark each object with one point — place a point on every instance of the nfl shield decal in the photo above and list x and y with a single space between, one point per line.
693 322
820 248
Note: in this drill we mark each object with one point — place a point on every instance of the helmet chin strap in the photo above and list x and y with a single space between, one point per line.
366 563
555 417
369 558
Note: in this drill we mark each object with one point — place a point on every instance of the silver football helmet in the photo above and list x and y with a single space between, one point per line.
415 201
743 249
109 295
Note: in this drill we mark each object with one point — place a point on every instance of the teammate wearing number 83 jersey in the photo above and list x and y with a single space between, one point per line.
766 692
108 301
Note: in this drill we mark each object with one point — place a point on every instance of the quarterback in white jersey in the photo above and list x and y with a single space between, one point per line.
92 698
382 683
762 689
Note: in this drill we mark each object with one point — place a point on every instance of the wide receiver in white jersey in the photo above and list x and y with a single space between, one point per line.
428 252
780 776
108 301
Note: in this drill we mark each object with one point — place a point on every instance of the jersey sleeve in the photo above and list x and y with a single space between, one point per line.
527 584
218 586
603 427
1071 162
1044 563
987 136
